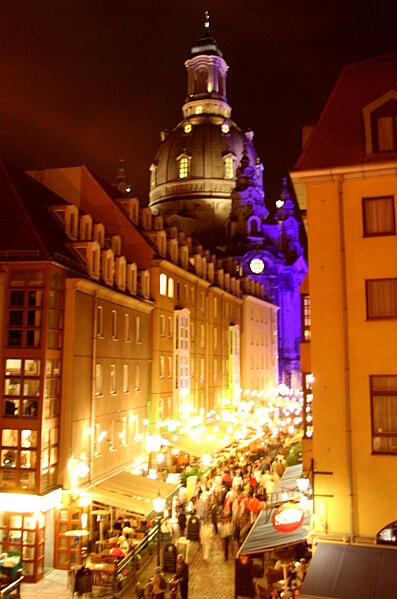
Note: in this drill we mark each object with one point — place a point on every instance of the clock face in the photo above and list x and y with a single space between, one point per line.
257 266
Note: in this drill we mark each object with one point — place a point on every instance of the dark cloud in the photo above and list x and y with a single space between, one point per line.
92 81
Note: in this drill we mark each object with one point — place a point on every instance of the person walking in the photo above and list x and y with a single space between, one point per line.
207 535
182 522
226 533
182 576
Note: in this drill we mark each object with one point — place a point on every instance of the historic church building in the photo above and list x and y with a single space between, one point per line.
207 180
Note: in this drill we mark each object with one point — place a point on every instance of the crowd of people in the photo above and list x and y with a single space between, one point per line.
224 503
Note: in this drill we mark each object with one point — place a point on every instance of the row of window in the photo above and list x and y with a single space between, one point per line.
128 332
113 381
168 288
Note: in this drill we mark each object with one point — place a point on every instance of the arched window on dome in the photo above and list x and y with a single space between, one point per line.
184 166
153 175
229 166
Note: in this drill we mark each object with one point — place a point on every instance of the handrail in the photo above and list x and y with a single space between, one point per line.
126 562
16 585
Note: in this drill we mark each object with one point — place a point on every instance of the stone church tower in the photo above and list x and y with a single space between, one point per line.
207 180
194 172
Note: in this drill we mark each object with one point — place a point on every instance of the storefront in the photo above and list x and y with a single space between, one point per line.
24 520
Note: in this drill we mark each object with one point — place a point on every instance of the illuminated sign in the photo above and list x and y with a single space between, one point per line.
288 517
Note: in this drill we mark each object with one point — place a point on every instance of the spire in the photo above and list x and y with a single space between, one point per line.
120 182
206 44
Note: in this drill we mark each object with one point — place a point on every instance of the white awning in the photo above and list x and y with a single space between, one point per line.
131 492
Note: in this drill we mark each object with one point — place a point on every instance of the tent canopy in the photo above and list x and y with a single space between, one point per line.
264 537
351 571
131 492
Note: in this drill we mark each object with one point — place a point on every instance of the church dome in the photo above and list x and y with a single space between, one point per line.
194 171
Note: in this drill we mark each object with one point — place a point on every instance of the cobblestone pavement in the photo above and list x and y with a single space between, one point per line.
212 579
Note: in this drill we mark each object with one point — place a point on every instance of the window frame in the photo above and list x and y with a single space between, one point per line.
380 233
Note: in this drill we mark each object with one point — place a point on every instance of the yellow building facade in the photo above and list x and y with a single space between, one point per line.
346 180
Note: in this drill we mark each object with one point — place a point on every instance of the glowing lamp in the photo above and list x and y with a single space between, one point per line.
159 503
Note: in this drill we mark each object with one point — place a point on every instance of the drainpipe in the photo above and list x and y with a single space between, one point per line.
346 366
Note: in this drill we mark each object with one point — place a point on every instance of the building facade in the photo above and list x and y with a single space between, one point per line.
346 180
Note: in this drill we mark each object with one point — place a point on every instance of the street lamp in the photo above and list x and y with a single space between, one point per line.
159 505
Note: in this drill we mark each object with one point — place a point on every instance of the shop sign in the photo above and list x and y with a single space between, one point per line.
288 517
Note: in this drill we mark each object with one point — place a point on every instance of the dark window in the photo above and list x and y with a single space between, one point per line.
384 127
381 298
378 216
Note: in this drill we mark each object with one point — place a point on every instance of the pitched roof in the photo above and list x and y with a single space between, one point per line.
338 138
27 227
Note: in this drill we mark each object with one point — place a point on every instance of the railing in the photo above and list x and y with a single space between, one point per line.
13 589
128 567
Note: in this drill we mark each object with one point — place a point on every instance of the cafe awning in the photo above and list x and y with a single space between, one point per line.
351 572
131 492
264 537
287 485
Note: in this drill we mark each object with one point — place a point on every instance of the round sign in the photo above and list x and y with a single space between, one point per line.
288 517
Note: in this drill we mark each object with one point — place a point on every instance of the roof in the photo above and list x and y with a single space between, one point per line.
28 229
338 138
351 572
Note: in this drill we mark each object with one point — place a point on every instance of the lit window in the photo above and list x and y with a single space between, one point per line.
114 324
381 298
169 360
378 216
187 128
127 327
225 127
138 329
184 167
162 367
306 318
99 321
198 110
170 287
137 378
384 413
98 379
229 167
162 325
163 284
125 378
113 379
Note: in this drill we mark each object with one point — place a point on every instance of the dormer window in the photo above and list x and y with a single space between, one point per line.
380 120
384 127
184 166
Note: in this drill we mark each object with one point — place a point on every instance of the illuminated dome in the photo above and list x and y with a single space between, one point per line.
194 172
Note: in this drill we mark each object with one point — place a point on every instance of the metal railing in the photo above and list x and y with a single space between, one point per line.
128 567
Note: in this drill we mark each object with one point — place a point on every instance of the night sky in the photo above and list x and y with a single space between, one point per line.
93 81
